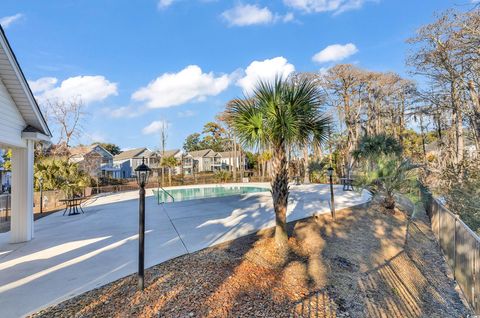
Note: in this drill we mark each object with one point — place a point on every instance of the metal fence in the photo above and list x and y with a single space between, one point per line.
460 245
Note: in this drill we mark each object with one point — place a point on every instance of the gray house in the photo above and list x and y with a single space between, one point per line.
126 162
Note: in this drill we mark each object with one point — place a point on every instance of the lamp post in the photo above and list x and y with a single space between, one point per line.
142 172
40 181
332 198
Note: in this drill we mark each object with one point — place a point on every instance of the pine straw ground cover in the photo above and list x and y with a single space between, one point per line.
363 265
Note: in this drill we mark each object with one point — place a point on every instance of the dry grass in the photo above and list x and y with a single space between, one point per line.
359 266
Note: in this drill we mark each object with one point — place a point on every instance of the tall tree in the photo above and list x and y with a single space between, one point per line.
68 116
280 114
163 145
192 142
436 58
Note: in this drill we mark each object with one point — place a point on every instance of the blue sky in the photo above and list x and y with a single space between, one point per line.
136 64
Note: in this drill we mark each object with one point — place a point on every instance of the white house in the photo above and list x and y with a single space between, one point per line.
228 160
201 160
21 125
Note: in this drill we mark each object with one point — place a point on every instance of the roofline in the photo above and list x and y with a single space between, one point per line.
134 156
98 145
24 83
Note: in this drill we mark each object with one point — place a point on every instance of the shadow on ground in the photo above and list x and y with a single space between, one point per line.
366 264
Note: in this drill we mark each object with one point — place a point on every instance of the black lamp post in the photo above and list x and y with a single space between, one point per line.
332 198
142 173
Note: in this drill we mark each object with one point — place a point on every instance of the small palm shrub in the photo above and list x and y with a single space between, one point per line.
391 174
222 175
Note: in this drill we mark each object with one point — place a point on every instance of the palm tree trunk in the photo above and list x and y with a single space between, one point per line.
280 194
234 166
264 169
306 177
389 203
170 176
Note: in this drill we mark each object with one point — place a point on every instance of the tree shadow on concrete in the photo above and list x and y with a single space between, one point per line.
357 266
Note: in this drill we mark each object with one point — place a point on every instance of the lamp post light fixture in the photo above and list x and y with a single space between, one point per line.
142 172
332 198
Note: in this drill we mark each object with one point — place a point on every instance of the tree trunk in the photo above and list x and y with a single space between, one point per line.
170 176
241 166
306 177
280 194
389 203
476 112
234 166
264 169
458 123
422 130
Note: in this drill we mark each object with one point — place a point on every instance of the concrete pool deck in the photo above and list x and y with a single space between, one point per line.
73 254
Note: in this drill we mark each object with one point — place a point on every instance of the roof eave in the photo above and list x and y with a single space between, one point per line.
23 82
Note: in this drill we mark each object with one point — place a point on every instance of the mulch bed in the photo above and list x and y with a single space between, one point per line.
362 265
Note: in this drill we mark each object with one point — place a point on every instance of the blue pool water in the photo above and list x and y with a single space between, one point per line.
201 193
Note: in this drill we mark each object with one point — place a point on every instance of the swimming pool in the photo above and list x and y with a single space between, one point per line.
185 194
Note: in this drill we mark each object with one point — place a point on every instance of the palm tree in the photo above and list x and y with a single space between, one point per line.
280 114
264 158
170 162
391 174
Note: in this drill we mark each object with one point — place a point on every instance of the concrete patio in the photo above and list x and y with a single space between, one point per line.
71 255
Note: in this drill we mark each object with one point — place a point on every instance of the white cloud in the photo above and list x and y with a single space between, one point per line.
335 52
42 84
336 6
88 88
155 127
162 4
190 84
265 70
248 14
288 17
7 21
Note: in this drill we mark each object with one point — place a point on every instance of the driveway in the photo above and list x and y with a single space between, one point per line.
74 254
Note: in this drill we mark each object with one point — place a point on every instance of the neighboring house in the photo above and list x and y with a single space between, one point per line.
95 160
201 161
127 161
5 175
22 125
176 153
5 182
228 159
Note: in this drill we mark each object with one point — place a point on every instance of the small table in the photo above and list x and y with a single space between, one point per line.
347 184
72 205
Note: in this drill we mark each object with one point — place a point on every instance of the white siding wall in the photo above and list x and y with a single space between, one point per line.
11 121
